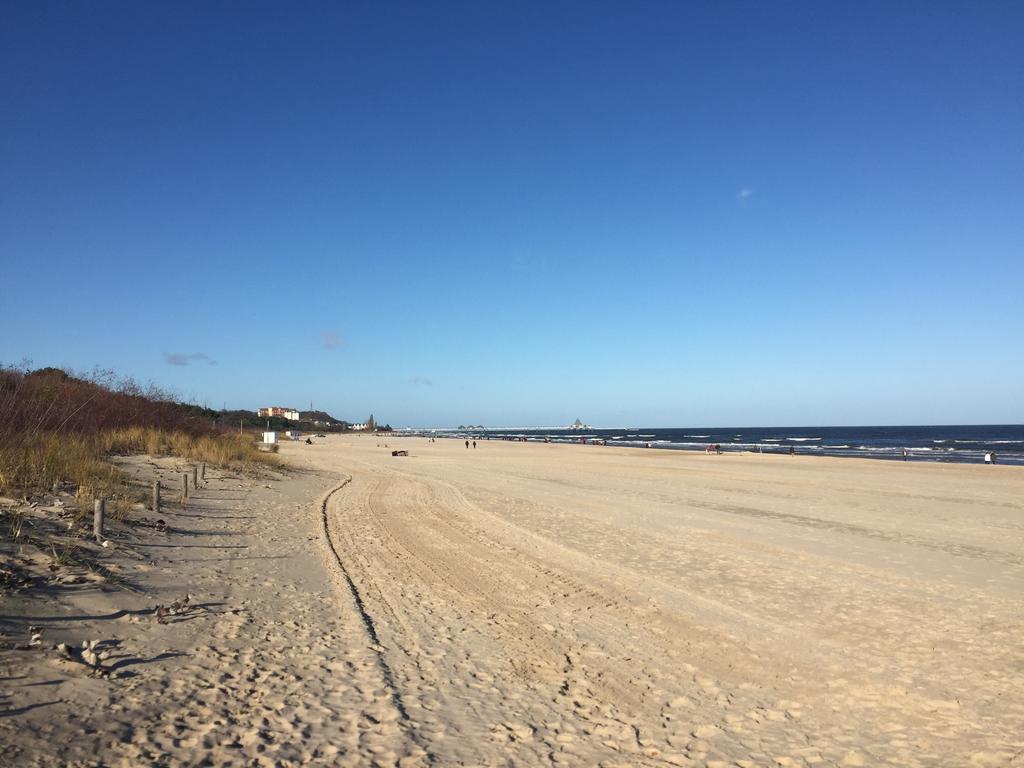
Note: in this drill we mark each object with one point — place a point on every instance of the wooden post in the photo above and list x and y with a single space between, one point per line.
202 471
98 511
156 495
195 477
184 484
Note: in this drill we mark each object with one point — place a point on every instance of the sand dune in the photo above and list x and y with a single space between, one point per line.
527 604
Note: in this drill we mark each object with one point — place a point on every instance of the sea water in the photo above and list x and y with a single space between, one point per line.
931 443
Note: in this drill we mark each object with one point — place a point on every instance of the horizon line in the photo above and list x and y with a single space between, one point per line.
728 427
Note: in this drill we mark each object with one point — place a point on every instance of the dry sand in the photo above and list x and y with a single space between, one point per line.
526 604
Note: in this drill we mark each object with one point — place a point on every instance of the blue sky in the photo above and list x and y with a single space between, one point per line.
646 213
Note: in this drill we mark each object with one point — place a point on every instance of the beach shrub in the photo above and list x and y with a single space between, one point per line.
60 428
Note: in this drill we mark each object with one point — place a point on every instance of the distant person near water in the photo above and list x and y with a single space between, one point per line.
990 457
905 454
467 444
474 445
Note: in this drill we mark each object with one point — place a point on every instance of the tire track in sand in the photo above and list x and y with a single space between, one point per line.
404 721
477 665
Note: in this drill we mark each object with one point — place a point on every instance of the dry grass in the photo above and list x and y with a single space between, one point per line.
59 431
226 449
36 462
58 428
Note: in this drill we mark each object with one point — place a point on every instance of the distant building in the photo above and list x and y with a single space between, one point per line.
274 410
367 426
578 425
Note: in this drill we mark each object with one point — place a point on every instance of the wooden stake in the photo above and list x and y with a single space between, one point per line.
184 484
156 495
195 477
99 510
202 471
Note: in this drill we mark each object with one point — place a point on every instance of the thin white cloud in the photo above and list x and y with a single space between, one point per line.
187 358
745 194
331 340
421 381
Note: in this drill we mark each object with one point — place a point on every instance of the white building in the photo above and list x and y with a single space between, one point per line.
358 427
276 410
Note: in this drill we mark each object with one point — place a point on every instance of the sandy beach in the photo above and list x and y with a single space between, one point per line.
530 604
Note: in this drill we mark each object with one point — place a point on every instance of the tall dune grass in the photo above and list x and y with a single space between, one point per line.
55 427
34 463
222 449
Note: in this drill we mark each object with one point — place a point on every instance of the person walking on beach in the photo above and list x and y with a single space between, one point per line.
467 444
905 454
474 445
